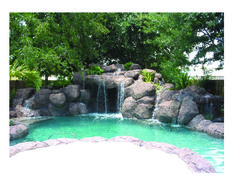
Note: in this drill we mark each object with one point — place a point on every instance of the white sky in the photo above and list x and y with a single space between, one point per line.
197 71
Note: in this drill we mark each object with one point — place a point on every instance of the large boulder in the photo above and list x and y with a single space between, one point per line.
76 108
132 74
72 92
57 111
24 93
144 111
111 68
135 66
85 96
42 97
18 131
167 111
58 100
25 112
128 107
31 103
216 130
142 89
188 110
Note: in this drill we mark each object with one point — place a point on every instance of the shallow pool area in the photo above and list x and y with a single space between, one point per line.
111 125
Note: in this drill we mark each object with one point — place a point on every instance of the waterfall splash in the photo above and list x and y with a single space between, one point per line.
102 98
208 109
120 97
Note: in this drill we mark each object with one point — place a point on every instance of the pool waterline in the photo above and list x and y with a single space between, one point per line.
111 125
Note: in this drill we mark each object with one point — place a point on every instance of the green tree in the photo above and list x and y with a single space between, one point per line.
208 37
54 43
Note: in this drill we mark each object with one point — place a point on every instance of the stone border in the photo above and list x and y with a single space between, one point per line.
195 162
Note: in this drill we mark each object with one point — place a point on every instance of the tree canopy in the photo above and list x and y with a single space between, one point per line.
62 43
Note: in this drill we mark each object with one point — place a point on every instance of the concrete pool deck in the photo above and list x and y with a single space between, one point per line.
96 158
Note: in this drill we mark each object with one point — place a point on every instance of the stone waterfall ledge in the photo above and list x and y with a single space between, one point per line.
192 161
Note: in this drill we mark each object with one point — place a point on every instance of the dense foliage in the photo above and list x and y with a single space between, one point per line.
62 43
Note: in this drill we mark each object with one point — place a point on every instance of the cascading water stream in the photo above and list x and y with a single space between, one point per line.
102 98
154 114
120 96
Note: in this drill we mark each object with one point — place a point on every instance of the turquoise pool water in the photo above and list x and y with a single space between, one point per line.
111 125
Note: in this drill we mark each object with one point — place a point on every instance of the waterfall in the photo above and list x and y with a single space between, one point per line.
157 102
156 106
208 109
120 96
102 98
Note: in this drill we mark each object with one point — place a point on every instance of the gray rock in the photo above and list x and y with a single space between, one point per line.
42 97
143 89
16 102
77 108
93 139
129 107
135 67
193 124
111 68
199 123
132 74
85 96
188 110
216 130
72 92
144 111
24 93
196 89
147 100
167 111
57 100
57 111
18 131
25 112
31 103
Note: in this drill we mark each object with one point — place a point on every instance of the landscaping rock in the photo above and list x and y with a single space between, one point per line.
129 107
143 89
25 112
132 74
18 131
72 92
31 103
42 97
195 162
85 96
188 110
77 108
147 100
57 111
111 68
216 130
135 67
57 100
144 111
167 111
24 93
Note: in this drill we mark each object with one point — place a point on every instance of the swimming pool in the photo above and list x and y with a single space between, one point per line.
111 125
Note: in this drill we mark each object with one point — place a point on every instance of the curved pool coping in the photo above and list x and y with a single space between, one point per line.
195 163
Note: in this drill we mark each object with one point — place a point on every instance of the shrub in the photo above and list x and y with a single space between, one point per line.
128 65
95 70
183 80
11 122
147 76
